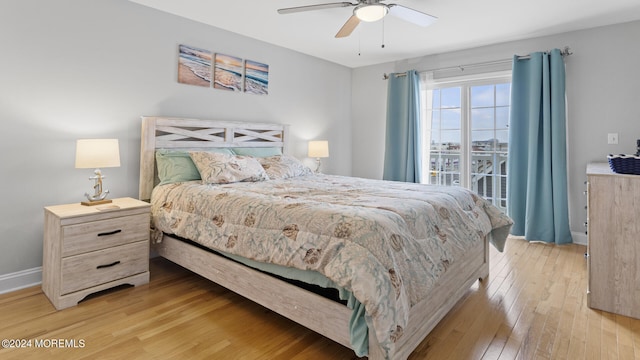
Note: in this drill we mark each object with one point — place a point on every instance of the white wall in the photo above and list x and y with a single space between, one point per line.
74 68
603 94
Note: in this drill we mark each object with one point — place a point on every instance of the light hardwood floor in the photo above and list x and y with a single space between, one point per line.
533 306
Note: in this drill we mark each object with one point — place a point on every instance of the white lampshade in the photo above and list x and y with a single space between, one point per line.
97 153
319 149
373 12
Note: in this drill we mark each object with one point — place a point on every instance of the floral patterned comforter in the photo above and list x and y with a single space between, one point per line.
386 242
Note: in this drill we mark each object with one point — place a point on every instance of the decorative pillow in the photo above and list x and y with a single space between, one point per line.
258 151
177 166
224 169
283 166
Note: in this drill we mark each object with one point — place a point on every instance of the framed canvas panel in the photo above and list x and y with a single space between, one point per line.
256 77
194 66
227 73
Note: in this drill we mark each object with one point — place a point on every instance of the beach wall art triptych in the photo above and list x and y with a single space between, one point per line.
204 68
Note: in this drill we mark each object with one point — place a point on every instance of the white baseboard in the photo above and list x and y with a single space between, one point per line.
579 238
20 280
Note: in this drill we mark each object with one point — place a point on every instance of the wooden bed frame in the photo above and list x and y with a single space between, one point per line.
326 317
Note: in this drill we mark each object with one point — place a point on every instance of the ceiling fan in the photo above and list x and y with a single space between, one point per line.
368 10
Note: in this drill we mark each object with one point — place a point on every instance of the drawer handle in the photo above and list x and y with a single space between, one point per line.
108 265
110 233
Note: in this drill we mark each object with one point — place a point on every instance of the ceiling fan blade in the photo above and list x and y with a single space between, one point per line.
411 15
348 27
314 7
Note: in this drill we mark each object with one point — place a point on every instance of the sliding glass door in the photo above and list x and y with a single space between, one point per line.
466 124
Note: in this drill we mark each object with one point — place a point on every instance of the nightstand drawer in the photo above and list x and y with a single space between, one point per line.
98 267
102 234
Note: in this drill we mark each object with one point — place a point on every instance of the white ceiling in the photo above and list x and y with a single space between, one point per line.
461 24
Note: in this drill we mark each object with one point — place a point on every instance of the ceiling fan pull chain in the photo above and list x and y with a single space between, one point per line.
383 33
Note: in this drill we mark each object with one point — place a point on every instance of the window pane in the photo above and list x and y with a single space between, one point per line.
433 177
482 140
481 163
435 140
450 97
502 117
450 140
481 174
445 169
501 182
450 118
450 163
435 119
503 140
482 96
503 94
444 178
502 169
482 118
437 161
436 98
453 179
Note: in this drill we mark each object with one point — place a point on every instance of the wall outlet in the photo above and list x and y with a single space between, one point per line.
612 138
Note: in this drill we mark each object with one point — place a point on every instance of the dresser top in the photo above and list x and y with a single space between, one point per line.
599 168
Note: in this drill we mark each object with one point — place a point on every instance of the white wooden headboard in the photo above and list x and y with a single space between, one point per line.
177 133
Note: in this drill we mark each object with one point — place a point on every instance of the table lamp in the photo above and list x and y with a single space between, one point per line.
318 149
97 153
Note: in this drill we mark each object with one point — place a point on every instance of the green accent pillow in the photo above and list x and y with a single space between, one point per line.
177 166
258 151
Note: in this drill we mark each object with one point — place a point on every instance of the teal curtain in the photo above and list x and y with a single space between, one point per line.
537 162
402 160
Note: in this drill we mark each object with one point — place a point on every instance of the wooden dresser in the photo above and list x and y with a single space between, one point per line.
93 248
613 218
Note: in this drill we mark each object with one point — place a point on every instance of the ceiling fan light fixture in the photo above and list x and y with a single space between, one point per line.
371 12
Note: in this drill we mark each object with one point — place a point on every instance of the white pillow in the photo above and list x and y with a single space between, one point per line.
217 168
283 167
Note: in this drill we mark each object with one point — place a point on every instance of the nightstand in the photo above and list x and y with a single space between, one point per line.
93 248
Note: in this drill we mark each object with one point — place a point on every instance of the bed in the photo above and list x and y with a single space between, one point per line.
391 305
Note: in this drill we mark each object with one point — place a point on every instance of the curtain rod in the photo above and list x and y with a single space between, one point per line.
566 51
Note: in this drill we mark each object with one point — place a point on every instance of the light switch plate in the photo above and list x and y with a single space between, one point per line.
612 138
